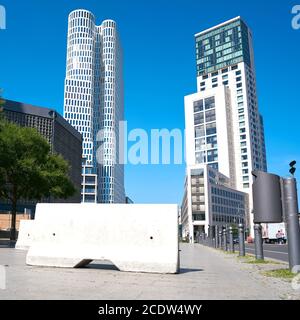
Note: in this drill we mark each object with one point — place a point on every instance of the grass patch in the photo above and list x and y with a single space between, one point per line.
259 261
280 273
228 252
246 257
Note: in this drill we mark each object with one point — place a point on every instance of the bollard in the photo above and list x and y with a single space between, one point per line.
216 237
290 204
226 239
225 246
223 242
220 238
241 241
231 244
259 251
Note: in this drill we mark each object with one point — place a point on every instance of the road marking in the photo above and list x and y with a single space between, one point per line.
268 251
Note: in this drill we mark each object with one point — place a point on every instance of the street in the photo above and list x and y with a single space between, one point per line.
273 251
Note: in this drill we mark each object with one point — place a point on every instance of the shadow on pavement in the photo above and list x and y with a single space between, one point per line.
187 270
105 265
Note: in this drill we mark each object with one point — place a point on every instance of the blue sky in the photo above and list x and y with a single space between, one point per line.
160 68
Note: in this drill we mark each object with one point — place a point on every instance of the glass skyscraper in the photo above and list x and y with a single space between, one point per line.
94 104
224 128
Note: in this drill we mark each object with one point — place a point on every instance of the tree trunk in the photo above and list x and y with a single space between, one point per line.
13 220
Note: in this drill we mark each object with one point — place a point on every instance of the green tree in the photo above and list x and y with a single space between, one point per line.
28 170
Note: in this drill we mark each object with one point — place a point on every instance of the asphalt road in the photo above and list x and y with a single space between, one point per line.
274 251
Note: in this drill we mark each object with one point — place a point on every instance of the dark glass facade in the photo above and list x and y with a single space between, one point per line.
223 46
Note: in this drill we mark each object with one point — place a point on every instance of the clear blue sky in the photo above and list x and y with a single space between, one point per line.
160 68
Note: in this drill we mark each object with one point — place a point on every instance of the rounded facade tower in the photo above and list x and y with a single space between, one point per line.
94 103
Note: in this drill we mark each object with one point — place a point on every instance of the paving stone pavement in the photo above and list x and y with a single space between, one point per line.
205 273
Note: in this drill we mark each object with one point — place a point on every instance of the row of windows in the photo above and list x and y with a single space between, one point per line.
222 71
227 219
79 84
206 143
77 103
210 116
205 130
207 156
81 14
200 105
227 194
214 81
78 116
227 202
227 210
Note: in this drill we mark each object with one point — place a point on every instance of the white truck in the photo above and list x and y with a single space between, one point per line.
274 233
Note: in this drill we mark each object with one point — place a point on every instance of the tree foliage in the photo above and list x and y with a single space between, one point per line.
28 170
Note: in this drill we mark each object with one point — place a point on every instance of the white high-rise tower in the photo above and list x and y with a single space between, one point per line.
224 129
94 104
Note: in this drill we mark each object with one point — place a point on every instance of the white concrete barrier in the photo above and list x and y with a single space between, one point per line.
26 230
134 237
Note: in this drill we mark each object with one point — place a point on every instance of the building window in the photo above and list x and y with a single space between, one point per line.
214 80
209 103
200 144
225 70
198 118
211 142
210 115
201 157
199 132
214 165
199 217
234 67
211 129
212 155
198 106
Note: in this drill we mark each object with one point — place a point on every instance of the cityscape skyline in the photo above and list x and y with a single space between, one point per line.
173 173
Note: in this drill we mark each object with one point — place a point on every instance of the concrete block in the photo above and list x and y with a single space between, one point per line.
26 231
134 237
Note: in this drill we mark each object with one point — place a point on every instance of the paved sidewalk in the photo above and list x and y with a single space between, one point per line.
205 274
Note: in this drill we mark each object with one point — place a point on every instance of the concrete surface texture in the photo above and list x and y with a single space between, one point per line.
141 238
25 234
205 274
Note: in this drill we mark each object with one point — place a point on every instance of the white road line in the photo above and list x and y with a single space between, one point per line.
268 251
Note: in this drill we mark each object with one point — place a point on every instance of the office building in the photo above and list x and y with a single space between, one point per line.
224 128
209 200
61 136
94 104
